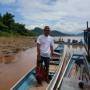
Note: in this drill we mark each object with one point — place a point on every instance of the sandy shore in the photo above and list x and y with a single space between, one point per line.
10 46
15 44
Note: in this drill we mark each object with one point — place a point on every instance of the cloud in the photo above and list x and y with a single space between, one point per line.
64 15
7 1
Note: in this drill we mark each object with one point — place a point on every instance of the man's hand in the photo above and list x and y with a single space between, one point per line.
38 57
56 54
38 53
38 60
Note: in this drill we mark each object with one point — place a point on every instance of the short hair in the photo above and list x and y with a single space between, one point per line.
46 27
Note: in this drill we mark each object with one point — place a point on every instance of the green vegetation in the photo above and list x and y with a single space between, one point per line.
9 27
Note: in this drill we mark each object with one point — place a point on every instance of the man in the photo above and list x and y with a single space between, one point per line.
45 50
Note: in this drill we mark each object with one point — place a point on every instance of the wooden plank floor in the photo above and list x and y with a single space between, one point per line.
35 86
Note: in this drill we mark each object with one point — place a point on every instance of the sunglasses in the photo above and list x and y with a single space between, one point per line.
46 30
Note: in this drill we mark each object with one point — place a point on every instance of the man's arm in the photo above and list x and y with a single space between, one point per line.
54 53
38 53
51 48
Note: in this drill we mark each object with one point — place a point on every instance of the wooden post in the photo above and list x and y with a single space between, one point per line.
88 38
87 24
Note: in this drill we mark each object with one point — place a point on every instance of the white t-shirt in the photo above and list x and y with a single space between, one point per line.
45 43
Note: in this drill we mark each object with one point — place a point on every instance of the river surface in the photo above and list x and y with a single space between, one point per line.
11 72
65 38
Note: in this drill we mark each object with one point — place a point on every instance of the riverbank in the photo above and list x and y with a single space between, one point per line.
10 46
15 44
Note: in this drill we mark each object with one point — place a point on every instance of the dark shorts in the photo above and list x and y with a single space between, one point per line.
45 63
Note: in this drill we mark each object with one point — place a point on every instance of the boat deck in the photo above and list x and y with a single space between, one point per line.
35 86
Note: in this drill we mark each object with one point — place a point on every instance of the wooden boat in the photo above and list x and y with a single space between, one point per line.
76 75
29 82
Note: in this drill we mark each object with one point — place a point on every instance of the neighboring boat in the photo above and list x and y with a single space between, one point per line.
60 48
74 42
76 75
29 82
81 42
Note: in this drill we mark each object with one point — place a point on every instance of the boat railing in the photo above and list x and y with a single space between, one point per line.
22 79
54 82
60 82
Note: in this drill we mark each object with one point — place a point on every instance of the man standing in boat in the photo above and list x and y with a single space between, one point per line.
45 50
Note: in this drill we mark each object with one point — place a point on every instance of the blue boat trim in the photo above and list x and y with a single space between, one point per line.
19 83
60 48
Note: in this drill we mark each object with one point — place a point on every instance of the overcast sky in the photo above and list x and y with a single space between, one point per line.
63 15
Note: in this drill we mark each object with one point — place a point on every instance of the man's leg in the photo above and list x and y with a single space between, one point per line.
46 61
40 64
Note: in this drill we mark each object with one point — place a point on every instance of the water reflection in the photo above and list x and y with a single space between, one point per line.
7 58
75 48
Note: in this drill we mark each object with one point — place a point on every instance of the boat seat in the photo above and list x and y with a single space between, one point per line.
54 62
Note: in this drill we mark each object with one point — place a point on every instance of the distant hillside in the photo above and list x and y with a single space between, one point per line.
57 33
38 31
80 34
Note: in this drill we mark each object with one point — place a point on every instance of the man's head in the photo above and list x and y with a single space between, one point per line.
46 30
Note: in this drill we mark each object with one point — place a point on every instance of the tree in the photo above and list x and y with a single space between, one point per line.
2 26
8 20
19 28
8 26
0 18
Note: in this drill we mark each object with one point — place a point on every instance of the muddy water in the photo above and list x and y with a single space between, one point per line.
11 72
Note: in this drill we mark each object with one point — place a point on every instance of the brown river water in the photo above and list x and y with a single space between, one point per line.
13 67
